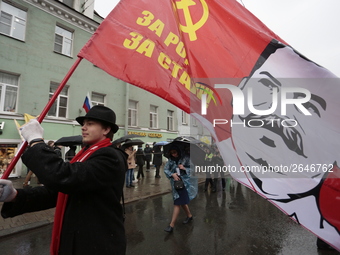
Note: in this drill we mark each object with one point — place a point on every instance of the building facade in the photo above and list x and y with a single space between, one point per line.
39 43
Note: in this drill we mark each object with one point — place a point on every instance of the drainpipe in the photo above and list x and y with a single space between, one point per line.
127 95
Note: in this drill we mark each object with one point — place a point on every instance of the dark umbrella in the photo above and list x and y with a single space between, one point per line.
70 140
190 146
193 140
125 138
133 142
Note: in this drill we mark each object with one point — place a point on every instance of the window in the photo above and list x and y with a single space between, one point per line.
8 92
170 120
193 121
59 107
184 118
132 118
97 99
12 21
69 3
153 116
63 41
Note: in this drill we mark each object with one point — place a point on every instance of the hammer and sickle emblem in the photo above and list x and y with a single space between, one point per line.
191 28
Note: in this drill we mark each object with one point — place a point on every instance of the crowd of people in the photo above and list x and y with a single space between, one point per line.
140 158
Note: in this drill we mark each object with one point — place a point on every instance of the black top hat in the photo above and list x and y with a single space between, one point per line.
101 113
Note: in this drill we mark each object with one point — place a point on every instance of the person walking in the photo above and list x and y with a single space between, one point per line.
209 176
86 191
157 159
140 160
148 156
70 153
179 167
218 161
131 163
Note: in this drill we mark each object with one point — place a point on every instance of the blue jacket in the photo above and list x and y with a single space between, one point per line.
190 181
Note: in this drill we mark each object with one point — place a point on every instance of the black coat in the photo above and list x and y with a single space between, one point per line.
93 219
157 156
148 153
140 157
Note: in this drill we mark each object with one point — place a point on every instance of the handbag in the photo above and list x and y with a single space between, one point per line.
179 184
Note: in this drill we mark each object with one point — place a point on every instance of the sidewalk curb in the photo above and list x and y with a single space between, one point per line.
38 224
29 226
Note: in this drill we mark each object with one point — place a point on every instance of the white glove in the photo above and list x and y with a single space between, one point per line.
7 191
32 130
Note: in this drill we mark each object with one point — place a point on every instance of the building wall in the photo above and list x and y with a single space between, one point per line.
193 128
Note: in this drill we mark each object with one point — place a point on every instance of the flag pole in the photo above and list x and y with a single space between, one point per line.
41 117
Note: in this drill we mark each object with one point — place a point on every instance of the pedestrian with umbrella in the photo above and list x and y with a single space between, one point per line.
179 169
131 161
190 146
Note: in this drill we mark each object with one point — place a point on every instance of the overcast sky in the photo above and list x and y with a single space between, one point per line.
310 26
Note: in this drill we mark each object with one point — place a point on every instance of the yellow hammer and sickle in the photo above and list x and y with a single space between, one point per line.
191 28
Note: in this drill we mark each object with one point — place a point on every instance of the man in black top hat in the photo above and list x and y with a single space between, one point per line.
85 191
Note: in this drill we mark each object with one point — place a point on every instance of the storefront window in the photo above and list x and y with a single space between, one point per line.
7 152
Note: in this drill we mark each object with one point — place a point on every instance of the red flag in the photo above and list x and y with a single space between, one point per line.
272 112
136 36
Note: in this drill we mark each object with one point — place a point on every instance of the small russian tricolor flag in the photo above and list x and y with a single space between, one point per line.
87 103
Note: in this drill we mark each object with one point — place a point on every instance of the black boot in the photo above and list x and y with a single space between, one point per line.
169 229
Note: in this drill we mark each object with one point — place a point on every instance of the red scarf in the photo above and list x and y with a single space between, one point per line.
81 156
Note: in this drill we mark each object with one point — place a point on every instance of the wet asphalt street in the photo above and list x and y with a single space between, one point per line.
235 221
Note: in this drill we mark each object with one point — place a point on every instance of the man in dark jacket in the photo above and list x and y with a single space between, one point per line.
85 191
148 156
157 159
140 161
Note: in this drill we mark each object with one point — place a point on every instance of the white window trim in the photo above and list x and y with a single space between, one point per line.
93 102
3 95
135 110
57 101
184 118
64 38
13 21
154 117
170 118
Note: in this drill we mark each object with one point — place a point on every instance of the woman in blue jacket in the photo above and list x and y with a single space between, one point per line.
179 167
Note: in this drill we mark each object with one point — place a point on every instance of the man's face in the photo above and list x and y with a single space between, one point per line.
93 131
307 140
